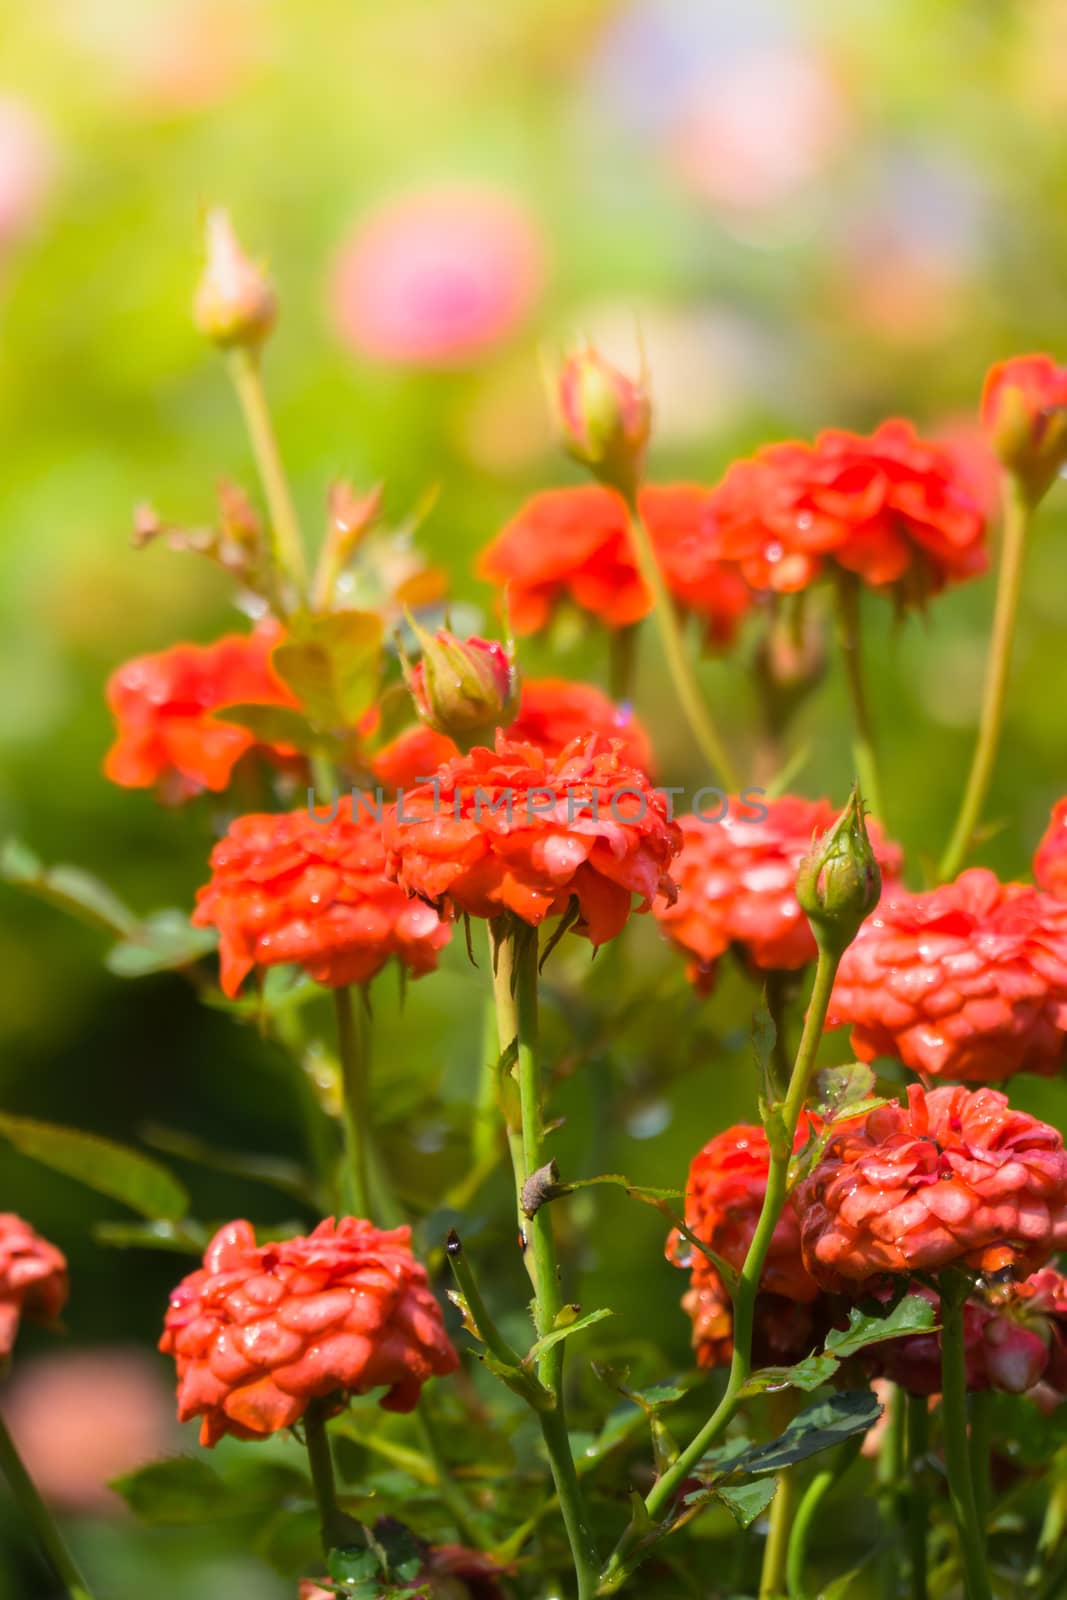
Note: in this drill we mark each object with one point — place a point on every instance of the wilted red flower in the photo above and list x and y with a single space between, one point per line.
967 981
892 508
289 887
552 713
954 1178
723 1199
33 1279
1012 1337
512 829
736 883
163 705
1050 858
573 544
261 1330
1024 413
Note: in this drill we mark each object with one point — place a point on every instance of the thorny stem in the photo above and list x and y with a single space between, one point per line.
679 666
663 1492
1017 513
287 544
515 988
850 641
957 1454
39 1518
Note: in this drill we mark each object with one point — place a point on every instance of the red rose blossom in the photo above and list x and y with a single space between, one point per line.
736 883
33 1279
952 1179
967 981
724 1195
892 508
289 887
552 713
514 830
261 1330
574 544
1050 857
163 705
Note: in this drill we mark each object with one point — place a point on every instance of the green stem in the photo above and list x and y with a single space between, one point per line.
663 1492
516 996
957 1454
772 1571
890 1481
356 1105
39 1518
678 664
850 642
484 1133
807 1514
981 1452
332 1522
623 661
287 544
918 1500
1017 513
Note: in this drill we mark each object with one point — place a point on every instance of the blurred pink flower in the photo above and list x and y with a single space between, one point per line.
27 164
730 152
82 1417
436 277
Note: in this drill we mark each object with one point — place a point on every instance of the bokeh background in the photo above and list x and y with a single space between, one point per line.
816 216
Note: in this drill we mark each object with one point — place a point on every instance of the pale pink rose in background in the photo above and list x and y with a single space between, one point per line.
758 130
437 277
27 168
82 1417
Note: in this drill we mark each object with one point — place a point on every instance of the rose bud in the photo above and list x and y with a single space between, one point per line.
606 419
839 881
465 688
1024 413
234 304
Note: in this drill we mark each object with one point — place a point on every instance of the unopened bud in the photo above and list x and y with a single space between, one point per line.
838 882
465 688
606 419
235 304
1024 413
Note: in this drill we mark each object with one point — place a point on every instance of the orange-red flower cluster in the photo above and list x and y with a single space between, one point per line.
1050 858
514 830
954 1178
968 981
736 884
892 508
552 714
724 1196
289 887
261 1330
163 705
33 1279
574 544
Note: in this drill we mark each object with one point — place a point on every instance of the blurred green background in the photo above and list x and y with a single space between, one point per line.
818 216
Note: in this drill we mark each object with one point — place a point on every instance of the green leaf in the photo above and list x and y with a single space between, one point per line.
109 1168
286 1176
822 1426
911 1314
271 724
747 1501
185 1238
185 1489
837 1088
163 942
68 887
541 1345
332 664
806 1375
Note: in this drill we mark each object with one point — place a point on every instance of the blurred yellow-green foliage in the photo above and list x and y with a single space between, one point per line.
817 215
